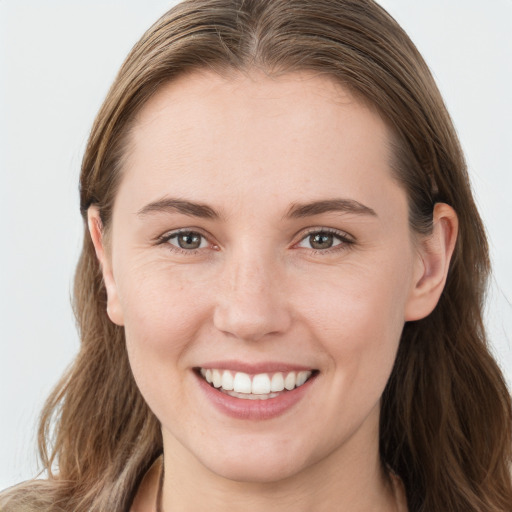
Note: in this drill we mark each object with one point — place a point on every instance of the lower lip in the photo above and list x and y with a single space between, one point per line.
245 409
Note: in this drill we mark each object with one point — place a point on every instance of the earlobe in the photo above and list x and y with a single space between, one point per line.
96 231
434 255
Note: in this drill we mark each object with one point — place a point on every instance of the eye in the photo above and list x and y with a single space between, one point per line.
186 240
323 240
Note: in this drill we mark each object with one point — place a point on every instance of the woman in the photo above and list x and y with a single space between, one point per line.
280 289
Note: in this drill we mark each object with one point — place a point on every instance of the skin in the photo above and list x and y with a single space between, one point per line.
251 147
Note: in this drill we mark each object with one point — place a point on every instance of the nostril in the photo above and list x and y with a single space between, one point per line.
251 321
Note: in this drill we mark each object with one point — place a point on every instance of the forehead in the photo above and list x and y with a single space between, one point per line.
206 136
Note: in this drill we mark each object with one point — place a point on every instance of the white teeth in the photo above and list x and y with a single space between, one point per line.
289 382
216 378
262 385
227 380
302 377
242 383
250 396
277 383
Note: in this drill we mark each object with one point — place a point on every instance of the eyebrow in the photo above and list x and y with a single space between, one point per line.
171 205
296 211
300 210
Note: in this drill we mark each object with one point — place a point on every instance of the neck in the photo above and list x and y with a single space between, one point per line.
351 479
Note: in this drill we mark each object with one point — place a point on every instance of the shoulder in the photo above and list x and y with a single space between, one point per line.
30 496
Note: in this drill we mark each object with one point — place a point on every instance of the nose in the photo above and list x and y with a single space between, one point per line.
252 302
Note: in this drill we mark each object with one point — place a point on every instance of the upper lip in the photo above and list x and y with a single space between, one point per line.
255 368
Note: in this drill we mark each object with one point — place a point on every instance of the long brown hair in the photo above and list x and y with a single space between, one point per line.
446 420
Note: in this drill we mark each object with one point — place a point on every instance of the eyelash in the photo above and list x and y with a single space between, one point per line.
165 239
346 241
344 238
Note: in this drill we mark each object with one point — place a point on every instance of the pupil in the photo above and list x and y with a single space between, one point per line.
321 241
189 241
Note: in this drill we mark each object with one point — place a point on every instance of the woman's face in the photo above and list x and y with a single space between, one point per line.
258 230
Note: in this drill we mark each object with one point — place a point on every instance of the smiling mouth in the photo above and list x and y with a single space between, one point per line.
261 386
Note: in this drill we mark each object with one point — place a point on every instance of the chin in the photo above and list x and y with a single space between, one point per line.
255 470
256 460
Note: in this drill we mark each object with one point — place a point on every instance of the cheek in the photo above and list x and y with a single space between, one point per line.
163 313
358 304
160 302
358 317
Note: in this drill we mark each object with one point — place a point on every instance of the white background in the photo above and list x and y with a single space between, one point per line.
57 60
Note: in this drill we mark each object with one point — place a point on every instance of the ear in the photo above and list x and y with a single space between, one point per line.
434 254
96 231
